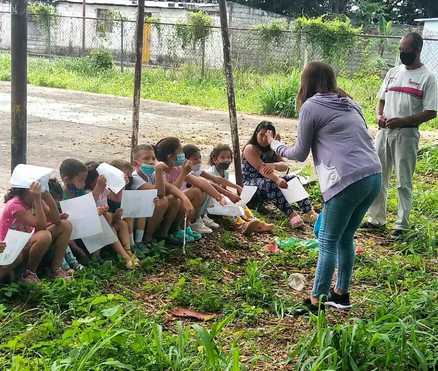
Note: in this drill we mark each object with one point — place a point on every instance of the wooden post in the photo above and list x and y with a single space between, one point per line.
18 82
230 91
137 77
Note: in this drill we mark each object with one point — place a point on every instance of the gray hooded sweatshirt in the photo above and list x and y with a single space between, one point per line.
334 129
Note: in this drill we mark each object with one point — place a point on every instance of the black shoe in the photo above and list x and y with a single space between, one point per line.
398 234
337 301
308 307
368 225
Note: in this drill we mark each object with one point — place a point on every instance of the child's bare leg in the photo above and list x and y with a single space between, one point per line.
38 246
60 237
196 197
171 215
161 207
122 230
119 249
140 226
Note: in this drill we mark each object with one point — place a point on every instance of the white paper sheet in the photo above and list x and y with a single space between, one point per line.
15 243
24 175
106 237
115 179
247 194
295 191
227 210
82 214
138 204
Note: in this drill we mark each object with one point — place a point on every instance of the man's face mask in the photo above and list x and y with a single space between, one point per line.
408 58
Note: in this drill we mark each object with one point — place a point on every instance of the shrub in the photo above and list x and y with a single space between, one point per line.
280 99
101 60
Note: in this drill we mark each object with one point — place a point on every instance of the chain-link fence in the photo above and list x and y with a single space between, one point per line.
169 45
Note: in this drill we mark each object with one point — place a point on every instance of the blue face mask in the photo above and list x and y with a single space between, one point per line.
147 169
180 159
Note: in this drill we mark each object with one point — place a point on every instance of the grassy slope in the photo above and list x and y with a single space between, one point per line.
108 318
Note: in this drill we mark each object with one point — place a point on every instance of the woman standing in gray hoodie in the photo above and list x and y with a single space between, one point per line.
332 126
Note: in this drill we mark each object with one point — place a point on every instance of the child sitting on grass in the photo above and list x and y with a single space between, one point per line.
70 264
169 151
28 210
220 160
150 174
74 175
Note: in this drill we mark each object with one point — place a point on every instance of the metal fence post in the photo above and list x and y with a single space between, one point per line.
122 56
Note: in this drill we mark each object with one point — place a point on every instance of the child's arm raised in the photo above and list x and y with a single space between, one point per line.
160 168
52 212
26 217
205 186
185 171
221 181
100 187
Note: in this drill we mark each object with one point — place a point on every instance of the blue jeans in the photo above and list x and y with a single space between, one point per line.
343 214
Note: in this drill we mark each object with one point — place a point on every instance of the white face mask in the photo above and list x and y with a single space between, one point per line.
196 169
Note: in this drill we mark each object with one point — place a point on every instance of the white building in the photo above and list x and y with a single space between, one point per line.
429 54
103 29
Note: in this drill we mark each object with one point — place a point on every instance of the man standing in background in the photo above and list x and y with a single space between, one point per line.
408 97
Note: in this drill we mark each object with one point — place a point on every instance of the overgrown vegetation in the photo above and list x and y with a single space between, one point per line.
108 318
272 93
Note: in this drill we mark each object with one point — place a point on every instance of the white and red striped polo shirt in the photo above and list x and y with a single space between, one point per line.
408 92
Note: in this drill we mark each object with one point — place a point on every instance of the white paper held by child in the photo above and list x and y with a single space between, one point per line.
15 243
138 204
115 178
106 237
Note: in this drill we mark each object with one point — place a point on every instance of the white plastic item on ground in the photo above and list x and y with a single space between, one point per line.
115 178
24 175
296 281
230 209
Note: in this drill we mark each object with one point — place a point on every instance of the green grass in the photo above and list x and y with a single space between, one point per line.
270 93
110 319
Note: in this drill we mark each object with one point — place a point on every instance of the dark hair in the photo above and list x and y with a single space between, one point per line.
55 189
92 174
122 165
264 125
166 147
71 168
15 192
317 77
217 151
190 150
142 147
416 40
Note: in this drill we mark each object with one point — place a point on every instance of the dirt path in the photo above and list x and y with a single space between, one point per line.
63 123
87 126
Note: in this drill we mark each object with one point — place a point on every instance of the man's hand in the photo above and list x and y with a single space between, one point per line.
396 122
381 121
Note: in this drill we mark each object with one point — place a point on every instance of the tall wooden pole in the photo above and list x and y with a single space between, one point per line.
137 77
18 82
230 91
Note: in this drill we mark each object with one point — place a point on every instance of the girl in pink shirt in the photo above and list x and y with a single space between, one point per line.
30 210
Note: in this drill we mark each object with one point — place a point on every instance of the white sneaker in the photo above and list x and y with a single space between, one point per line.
200 227
209 222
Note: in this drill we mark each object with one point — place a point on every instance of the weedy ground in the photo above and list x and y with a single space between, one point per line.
108 318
